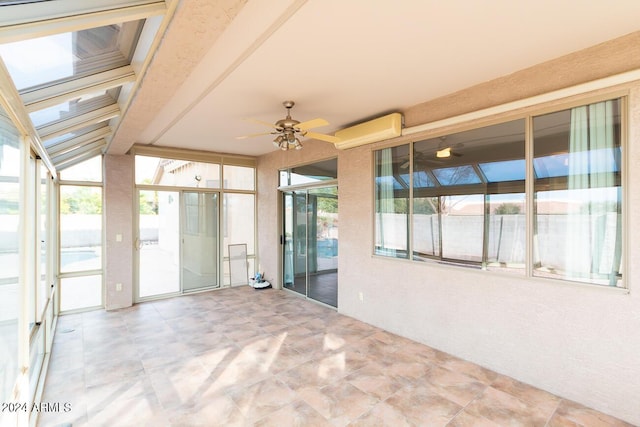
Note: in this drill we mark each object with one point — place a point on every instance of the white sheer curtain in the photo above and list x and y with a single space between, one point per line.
592 240
385 200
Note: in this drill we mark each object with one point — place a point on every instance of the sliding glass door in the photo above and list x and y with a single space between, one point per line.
178 246
310 243
200 241
158 243
295 242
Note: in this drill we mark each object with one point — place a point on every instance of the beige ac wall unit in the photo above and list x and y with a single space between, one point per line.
385 127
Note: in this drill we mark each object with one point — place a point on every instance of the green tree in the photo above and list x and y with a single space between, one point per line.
148 207
507 209
82 200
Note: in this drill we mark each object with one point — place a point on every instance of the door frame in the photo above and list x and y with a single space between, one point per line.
181 218
281 218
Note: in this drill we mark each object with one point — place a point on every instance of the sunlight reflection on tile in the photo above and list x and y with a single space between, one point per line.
278 361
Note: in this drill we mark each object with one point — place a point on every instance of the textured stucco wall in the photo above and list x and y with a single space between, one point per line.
581 342
118 212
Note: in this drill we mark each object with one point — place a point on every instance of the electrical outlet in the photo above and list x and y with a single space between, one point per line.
118 287
361 296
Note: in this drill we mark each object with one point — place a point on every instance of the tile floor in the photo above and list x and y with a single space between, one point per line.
249 357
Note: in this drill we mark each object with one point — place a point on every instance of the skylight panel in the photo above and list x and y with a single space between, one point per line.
58 58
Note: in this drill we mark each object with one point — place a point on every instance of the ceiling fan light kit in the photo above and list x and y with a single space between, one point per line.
287 130
445 152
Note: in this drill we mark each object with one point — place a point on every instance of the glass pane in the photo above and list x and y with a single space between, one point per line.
30 257
458 175
426 227
423 179
200 241
465 185
159 243
463 227
251 269
52 142
578 194
80 292
89 170
509 170
506 241
9 255
288 246
308 174
36 358
179 173
322 241
239 177
43 286
80 228
392 202
73 108
296 242
63 57
239 221
284 178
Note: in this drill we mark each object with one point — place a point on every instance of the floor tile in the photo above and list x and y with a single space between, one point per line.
505 409
573 414
236 357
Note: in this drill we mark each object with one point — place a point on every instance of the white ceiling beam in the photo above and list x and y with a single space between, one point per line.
80 157
61 147
56 94
78 122
50 102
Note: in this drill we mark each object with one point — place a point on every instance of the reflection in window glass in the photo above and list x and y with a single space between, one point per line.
458 175
80 228
239 177
578 193
462 227
89 170
508 170
308 174
422 179
392 201
464 204
80 292
561 165
426 227
506 241
178 173
9 255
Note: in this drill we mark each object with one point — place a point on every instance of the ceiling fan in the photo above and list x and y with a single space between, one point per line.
288 130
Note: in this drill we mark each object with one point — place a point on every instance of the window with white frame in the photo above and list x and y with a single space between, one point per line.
462 198
236 184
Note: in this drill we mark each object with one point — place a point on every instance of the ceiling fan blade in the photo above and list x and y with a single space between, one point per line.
322 137
252 135
263 123
315 123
